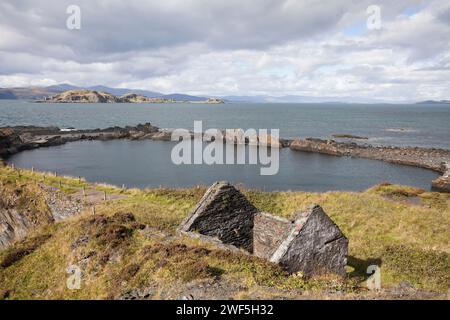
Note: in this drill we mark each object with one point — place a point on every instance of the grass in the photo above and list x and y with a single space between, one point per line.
409 240
425 268
66 184
17 252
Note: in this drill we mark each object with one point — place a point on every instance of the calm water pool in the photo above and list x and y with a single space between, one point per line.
148 164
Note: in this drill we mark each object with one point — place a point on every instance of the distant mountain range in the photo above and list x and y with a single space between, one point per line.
294 99
33 93
434 102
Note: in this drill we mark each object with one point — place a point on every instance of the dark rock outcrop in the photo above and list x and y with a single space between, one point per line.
349 136
9 140
16 220
16 139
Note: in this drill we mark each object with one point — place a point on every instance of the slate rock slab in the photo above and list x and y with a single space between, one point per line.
224 213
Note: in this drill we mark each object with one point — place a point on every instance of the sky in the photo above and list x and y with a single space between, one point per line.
335 48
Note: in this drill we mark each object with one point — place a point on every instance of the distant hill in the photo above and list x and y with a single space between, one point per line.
29 93
36 93
7 94
303 99
122 91
62 87
97 96
434 102
82 96
183 97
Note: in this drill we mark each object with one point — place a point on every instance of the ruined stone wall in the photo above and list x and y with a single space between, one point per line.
312 244
268 233
315 245
224 213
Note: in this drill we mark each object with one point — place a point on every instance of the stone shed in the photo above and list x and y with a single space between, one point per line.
312 243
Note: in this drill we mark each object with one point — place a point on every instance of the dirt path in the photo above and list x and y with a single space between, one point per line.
63 205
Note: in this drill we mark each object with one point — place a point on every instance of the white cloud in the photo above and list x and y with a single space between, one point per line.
265 47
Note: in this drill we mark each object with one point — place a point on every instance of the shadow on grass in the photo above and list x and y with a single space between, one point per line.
360 266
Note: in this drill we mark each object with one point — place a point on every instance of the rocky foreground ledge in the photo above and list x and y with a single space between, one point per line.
19 138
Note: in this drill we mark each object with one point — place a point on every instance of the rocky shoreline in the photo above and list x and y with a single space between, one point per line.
19 138
429 158
16 139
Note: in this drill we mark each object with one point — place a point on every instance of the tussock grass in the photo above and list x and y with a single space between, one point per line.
409 241
425 268
392 190
67 184
22 249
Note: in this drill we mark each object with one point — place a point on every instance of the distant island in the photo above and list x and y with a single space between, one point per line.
40 93
434 102
94 96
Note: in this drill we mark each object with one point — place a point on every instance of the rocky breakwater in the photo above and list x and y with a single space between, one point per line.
16 139
19 138
443 182
430 158
239 136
